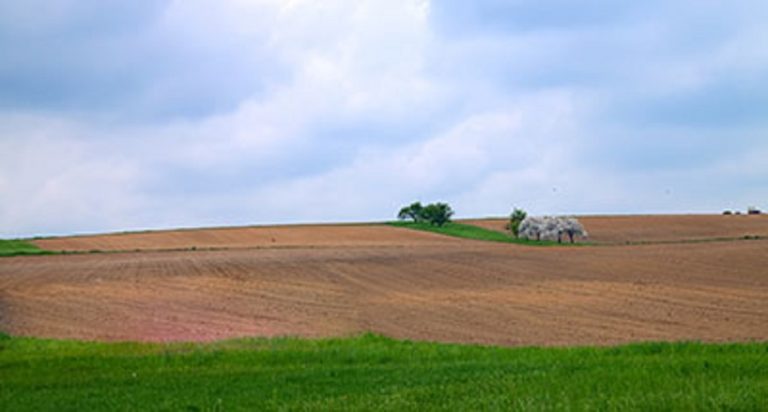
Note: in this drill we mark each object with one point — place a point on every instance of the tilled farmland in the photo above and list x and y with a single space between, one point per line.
660 228
308 236
315 281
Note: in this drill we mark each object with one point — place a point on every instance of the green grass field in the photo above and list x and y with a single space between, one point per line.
473 232
20 247
371 372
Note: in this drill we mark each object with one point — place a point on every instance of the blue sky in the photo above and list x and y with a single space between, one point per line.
122 115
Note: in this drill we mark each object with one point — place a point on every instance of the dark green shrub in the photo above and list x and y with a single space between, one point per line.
517 216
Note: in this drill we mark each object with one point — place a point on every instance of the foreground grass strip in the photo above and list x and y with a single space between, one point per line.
473 232
20 247
375 373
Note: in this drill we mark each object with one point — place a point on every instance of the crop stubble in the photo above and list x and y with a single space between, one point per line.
412 285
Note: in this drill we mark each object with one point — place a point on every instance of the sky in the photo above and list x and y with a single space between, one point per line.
127 115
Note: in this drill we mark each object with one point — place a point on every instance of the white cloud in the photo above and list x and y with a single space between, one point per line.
200 112
52 181
524 141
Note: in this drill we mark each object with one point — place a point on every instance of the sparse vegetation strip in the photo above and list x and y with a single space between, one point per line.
372 372
471 232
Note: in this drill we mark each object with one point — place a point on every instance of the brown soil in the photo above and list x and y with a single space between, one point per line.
247 237
659 228
457 291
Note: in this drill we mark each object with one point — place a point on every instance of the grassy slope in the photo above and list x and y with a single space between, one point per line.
471 232
376 373
20 247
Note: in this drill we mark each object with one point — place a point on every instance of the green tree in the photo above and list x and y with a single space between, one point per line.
415 212
437 214
517 216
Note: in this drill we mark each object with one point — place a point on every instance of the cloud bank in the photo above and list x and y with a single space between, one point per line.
152 114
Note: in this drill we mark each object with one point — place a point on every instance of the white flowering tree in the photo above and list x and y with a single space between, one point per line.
572 227
551 228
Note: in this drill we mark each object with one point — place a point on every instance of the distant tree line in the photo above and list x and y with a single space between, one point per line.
752 210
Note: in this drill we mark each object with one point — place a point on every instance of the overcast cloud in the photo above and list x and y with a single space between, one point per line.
120 115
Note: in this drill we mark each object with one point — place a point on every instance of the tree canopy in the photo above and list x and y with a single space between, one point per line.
551 228
436 214
414 211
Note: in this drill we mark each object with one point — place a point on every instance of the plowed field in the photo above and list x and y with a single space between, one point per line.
659 228
247 237
403 284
